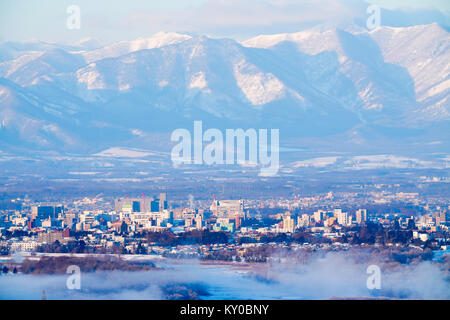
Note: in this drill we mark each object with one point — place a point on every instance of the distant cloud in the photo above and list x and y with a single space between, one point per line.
126 20
239 19
441 5
248 17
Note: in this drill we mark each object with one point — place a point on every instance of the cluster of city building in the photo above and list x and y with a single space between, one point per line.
38 223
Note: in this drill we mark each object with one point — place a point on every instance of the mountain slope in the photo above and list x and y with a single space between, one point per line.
390 82
425 52
29 121
399 73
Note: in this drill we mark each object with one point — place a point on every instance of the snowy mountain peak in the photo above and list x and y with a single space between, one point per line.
120 48
88 43
312 81
158 40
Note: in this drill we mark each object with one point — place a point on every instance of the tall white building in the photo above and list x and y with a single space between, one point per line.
318 215
342 217
304 220
198 222
288 224
228 208
361 216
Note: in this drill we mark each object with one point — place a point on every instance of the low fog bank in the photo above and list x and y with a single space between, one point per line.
304 275
344 274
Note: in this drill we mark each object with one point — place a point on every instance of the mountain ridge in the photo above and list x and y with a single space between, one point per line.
316 82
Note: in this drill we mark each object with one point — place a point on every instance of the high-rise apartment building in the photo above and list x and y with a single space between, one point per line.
228 208
48 211
361 216
288 224
144 204
342 217
319 215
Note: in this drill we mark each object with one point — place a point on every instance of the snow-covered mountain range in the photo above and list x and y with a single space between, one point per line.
320 82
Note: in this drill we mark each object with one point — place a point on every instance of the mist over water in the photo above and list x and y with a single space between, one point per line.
332 275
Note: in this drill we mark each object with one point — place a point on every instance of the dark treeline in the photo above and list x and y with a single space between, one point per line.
79 246
59 265
201 237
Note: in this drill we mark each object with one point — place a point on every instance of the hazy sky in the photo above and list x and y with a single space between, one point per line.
111 20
